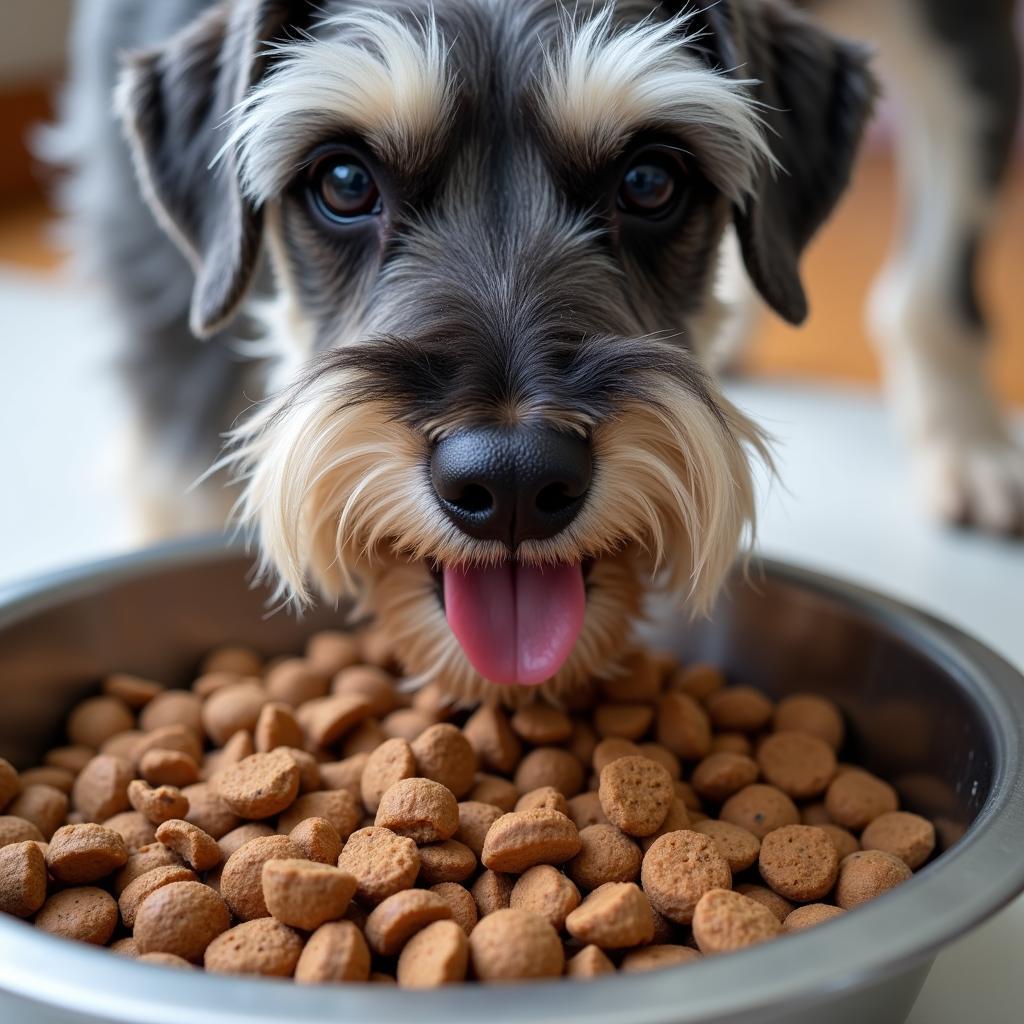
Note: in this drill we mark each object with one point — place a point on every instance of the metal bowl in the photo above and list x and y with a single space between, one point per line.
928 707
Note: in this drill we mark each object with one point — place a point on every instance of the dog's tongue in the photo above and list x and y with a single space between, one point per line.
517 624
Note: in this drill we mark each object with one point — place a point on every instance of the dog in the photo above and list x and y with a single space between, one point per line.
466 261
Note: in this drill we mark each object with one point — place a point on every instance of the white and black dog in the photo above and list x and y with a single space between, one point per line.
468 255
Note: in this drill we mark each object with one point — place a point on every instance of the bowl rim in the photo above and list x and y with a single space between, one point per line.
945 899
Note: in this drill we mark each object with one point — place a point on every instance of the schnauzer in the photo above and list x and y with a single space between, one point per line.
478 245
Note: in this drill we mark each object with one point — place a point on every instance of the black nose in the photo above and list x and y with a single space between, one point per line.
511 484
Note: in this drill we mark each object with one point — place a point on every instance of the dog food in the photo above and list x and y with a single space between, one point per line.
305 818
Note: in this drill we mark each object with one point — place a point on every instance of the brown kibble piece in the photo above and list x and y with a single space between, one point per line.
238 837
518 841
127 948
276 727
489 733
867 874
639 678
45 807
345 774
544 890
335 952
338 806
173 707
208 811
626 721
461 902
79 854
843 840
698 681
856 798
738 846
760 809
318 839
396 919
678 818
329 651
447 861
59 778
636 794
810 915
513 944
799 862
664 757
264 947
101 789
731 743
197 848
133 828
589 962
382 862
137 891
96 719
125 744
678 869
233 708
611 749
777 904
739 709
18 830
406 723
140 861
241 881
475 819
907 836
295 681
163 960
243 661
157 805
305 895
657 957
606 855
443 754
327 719
725 920
74 757
546 796
492 789
374 684
683 726
800 765
168 768
424 810
615 916
134 691
22 879
541 724
261 785
86 914
437 955
808 713
550 766
721 774
168 737
391 762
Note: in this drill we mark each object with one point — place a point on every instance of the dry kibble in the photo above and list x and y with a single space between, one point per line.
45 807
168 768
907 836
678 869
294 681
86 914
137 891
447 861
731 743
140 861
366 737
492 891
626 721
856 798
374 684
585 809
163 960
810 915
664 757
518 841
241 881
678 818
546 796
514 944
424 810
723 773
74 757
635 794
739 709
639 678
125 744
232 709
318 839
475 819
406 723
381 861
276 727
396 919
544 890
777 904
391 762
135 691
127 948
799 764
345 774
335 952
657 957
738 846
814 813
492 789
550 766
135 829
197 848
724 920
589 962
78 854
541 724
808 713
327 719
22 879
338 806
799 862
96 719
437 955
157 805
173 707
582 742
844 841
305 895
241 660
615 916
264 947
698 681
461 903
760 809
867 874
167 737
101 789
611 749
497 747
208 811
606 855
260 786
683 726
330 651
444 755
58 778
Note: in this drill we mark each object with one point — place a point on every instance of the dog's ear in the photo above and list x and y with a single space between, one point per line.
816 93
173 101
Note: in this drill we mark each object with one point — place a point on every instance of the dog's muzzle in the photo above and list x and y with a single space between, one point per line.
516 623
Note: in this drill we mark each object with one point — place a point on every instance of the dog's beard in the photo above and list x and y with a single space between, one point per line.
338 490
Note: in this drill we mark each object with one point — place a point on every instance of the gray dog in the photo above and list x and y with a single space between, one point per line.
469 254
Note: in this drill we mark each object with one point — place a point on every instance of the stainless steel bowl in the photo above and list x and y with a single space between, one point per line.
928 707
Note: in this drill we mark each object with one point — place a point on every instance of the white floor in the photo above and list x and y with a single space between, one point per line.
843 506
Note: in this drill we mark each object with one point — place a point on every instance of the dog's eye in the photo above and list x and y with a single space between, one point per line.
344 189
652 184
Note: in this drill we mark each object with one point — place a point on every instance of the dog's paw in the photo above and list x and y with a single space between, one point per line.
978 484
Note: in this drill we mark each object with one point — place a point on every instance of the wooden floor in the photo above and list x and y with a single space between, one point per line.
838 272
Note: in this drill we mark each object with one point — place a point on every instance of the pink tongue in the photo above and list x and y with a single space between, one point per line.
517 624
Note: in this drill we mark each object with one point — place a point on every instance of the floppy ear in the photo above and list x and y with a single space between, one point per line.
173 101
817 93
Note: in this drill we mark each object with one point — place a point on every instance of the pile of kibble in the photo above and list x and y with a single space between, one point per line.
304 818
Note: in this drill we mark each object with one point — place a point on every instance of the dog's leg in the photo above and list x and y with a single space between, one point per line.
954 68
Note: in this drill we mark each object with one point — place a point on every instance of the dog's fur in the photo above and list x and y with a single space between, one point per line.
499 286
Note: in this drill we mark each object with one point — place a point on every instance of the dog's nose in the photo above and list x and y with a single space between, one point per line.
511 484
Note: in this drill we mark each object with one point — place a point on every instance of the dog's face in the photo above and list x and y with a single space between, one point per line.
494 230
